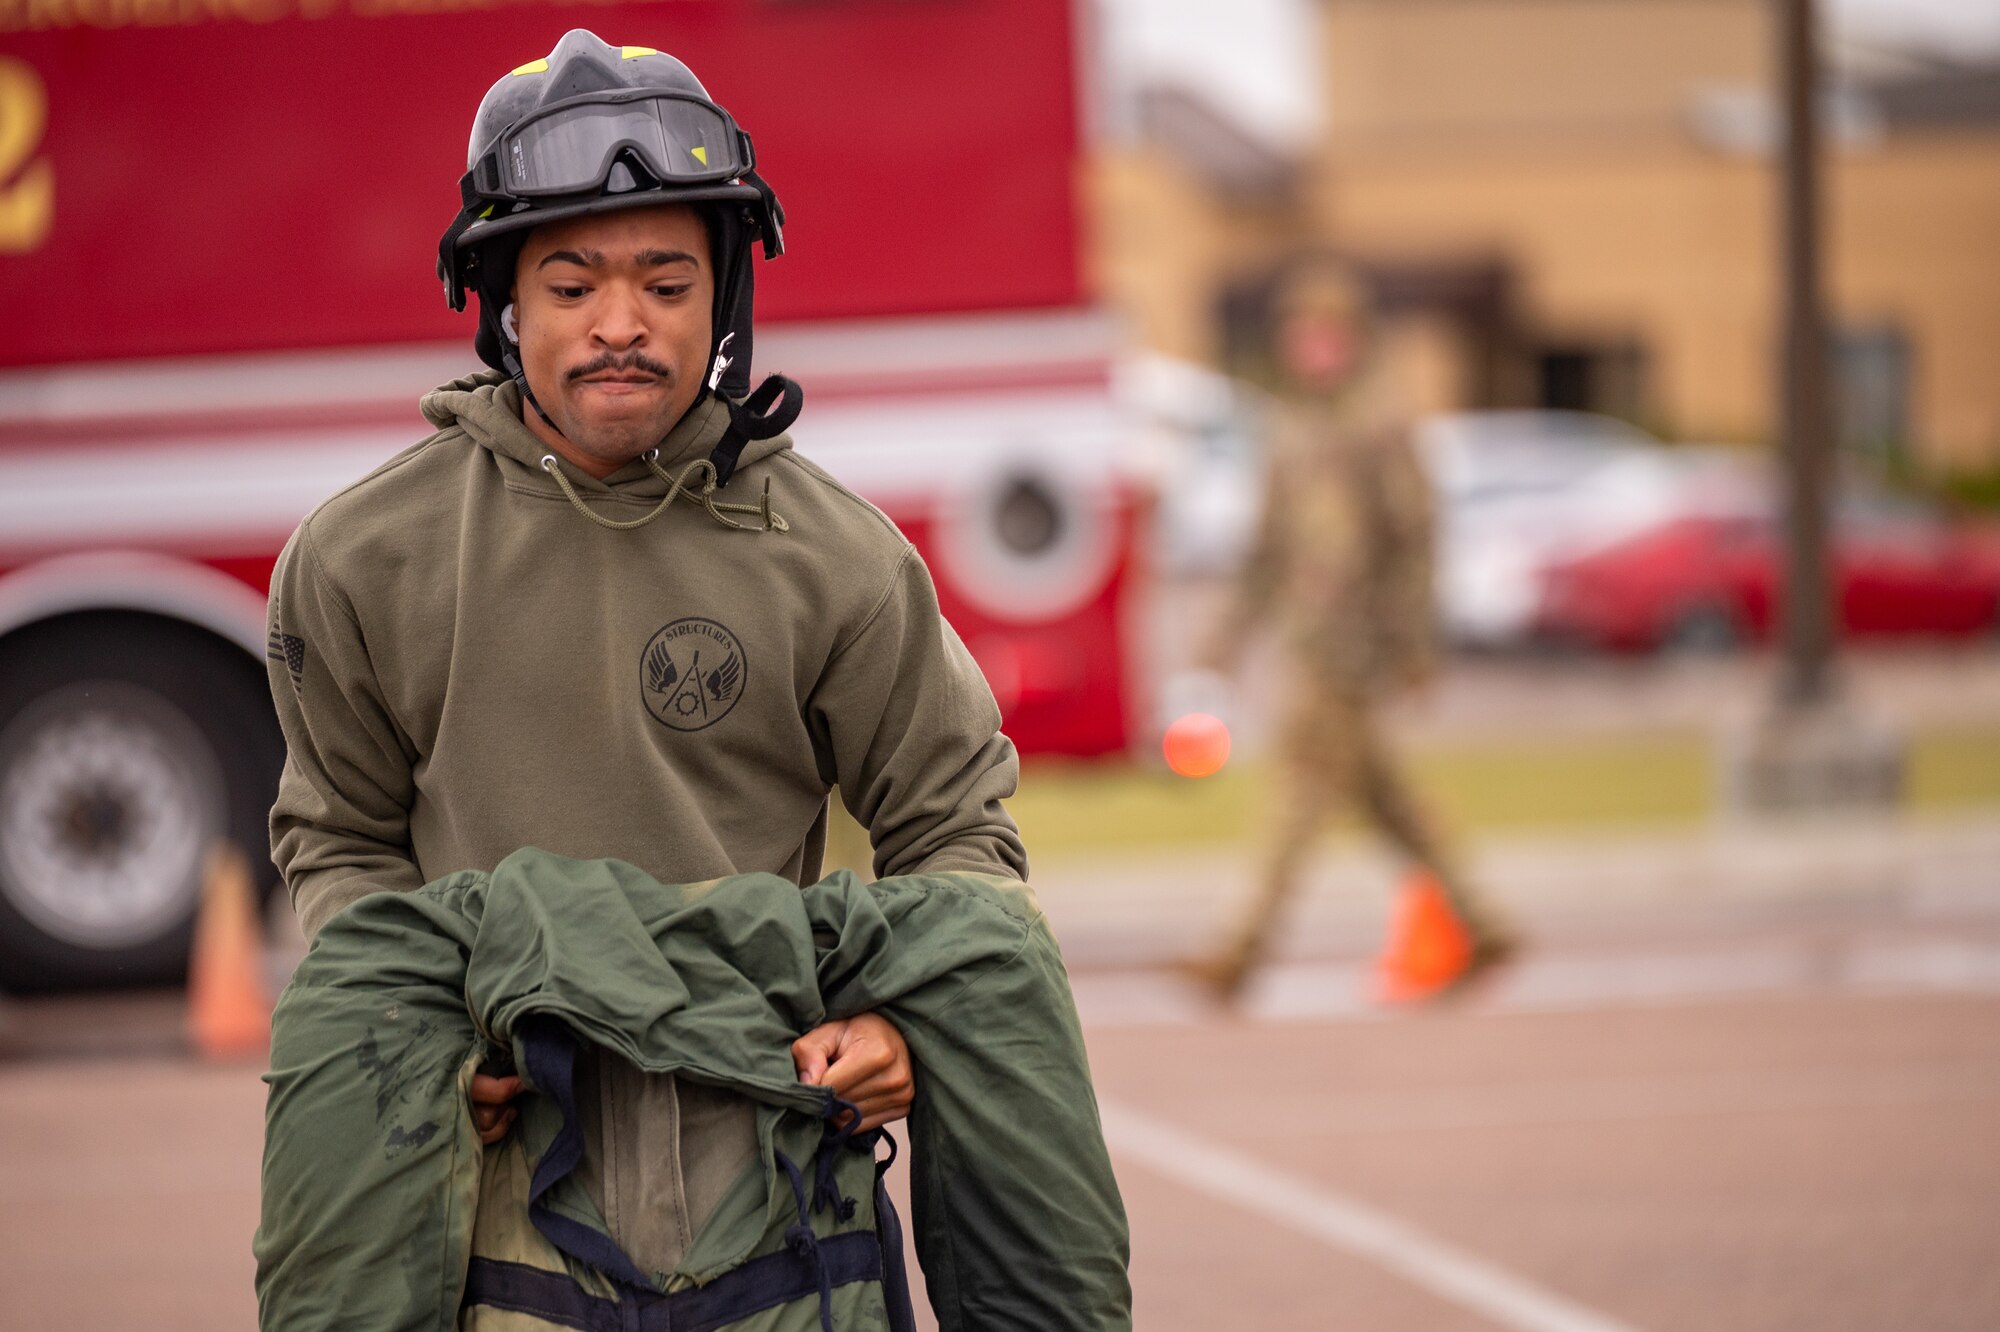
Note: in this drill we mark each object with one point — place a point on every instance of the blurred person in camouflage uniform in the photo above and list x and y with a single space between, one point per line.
1342 564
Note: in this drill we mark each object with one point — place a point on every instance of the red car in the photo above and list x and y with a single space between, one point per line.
1711 582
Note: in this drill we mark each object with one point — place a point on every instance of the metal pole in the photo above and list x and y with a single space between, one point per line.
1807 448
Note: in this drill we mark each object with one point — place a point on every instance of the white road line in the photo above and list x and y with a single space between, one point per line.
1346 1224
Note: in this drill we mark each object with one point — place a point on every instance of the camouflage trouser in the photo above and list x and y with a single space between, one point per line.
1331 757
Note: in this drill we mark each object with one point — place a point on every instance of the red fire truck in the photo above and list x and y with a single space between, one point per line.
217 225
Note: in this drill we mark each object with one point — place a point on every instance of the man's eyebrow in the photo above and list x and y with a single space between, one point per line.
581 258
596 259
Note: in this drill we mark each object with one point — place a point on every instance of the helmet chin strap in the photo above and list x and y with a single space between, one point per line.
765 414
722 360
510 361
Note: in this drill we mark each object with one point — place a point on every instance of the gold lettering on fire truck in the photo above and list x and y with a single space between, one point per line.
56 15
27 182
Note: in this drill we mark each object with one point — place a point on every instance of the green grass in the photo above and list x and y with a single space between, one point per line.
1955 770
1651 779
1647 779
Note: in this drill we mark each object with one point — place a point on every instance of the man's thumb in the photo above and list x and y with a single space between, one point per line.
809 1056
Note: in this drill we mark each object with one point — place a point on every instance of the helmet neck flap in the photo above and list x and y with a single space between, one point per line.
739 213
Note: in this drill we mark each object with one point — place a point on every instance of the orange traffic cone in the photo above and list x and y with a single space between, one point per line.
229 1009
1428 949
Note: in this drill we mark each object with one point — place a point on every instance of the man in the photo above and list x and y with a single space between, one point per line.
607 611
1342 560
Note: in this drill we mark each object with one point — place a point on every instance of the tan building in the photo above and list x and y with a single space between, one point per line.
1575 203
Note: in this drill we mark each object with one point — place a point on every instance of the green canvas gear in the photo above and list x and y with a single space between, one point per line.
374 1174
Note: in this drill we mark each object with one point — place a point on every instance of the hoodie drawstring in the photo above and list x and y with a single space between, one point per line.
677 488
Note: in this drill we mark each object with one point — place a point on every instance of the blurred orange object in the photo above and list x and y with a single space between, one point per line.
1196 745
229 1008
1428 949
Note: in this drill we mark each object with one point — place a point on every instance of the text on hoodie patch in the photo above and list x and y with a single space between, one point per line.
691 673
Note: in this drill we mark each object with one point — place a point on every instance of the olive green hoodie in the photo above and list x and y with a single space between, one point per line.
464 664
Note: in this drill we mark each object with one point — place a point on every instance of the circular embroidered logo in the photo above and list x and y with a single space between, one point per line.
691 674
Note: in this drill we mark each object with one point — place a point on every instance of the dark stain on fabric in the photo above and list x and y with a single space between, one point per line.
399 1137
399 1074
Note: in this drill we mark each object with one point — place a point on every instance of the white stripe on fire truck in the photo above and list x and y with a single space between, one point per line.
835 359
188 491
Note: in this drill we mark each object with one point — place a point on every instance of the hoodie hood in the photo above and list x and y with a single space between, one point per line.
487 407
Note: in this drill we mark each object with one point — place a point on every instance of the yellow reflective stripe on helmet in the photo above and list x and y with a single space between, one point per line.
532 67
488 213
634 52
700 155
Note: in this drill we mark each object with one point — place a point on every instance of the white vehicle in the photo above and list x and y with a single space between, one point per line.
1200 442
1519 491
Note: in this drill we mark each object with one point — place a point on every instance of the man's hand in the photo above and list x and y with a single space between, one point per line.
865 1061
492 1111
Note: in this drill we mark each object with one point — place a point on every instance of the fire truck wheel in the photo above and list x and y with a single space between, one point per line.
129 745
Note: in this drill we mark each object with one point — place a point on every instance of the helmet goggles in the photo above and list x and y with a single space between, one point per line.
571 147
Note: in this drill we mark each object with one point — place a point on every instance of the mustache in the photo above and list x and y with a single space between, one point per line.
621 363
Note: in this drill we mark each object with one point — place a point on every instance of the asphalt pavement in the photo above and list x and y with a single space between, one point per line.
1743 1104
1746 1077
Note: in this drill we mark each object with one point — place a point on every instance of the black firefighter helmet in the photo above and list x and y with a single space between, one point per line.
594 128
